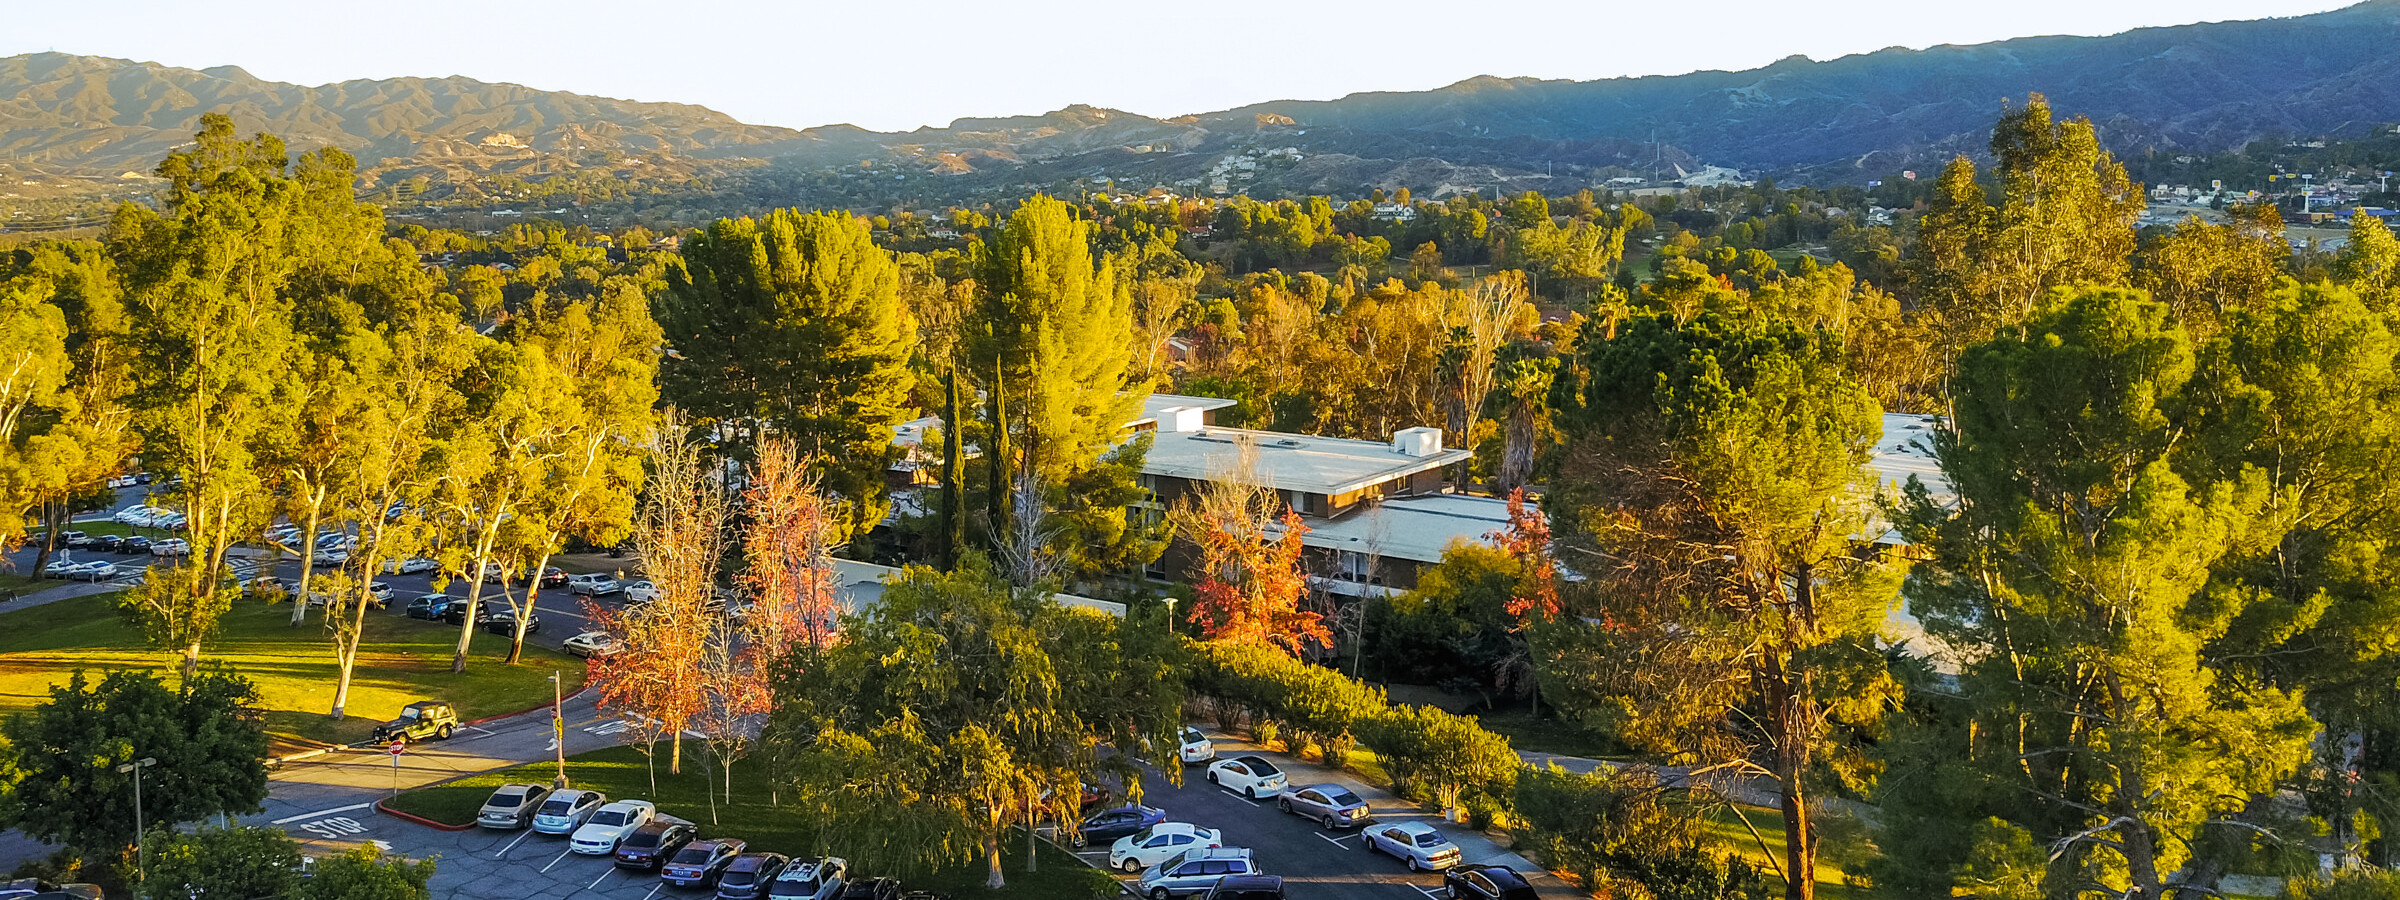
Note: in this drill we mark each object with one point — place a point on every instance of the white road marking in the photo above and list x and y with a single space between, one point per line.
382 846
1427 892
562 857
654 891
1334 840
595 885
1243 797
321 813
512 845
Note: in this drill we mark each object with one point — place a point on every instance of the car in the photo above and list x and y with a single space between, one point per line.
553 576
1197 748
641 592
108 543
171 547
169 519
74 540
1423 847
1248 887
611 824
61 567
458 611
410 566
748 876
811 878
593 585
1332 805
418 721
381 592
265 587
1094 795
871 889
136 544
97 570
1196 871
567 810
333 540
700 862
1250 776
1106 826
1475 881
594 645
282 534
651 845
504 621
493 573
429 606
511 807
1159 843
330 556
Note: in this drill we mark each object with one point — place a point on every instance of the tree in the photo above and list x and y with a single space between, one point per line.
220 862
33 354
362 873
2073 565
208 740
787 545
2370 263
2202 272
1445 754
659 676
795 321
1480 324
1248 559
1716 479
208 284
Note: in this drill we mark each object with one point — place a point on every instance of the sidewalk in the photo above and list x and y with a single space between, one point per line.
1474 846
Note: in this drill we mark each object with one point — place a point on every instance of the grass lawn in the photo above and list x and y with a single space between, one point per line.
21 584
403 660
1725 828
1547 734
623 772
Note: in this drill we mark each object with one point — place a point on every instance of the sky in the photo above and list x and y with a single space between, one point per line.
894 66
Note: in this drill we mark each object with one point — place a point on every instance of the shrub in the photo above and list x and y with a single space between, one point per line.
1337 750
1263 731
1424 747
1485 811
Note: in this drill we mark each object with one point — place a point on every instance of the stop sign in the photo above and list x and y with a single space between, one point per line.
399 744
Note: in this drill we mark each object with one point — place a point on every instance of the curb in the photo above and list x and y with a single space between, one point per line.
421 820
508 715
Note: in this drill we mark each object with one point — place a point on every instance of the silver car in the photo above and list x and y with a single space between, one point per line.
567 810
1423 847
1332 805
512 806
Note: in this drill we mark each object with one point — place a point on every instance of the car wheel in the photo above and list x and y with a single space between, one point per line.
1332 824
1455 894
1412 864
1130 866
1212 778
1255 795
1161 894
442 732
1285 805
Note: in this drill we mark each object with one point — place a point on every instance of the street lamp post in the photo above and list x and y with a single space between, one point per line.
140 842
558 729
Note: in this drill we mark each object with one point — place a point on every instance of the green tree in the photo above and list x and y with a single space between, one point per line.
364 874
220 862
1722 465
2370 263
2203 271
1426 748
2072 566
795 321
208 740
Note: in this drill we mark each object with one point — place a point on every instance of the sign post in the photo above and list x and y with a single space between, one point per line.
399 746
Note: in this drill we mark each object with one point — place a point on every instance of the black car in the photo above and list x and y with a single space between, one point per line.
748 875
456 612
429 606
136 544
1473 881
504 621
700 862
1248 887
872 889
107 543
1106 826
651 845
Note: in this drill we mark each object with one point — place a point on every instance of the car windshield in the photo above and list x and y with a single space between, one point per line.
1259 767
409 713
1193 736
611 817
1144 834
1343 798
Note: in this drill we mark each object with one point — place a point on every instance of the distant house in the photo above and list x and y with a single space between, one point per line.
1395 212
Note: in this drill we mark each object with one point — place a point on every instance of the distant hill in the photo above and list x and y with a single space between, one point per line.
2191 87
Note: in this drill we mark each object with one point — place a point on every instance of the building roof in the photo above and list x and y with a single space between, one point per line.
861 587
1289 462
1415 528
1155 407
1905 451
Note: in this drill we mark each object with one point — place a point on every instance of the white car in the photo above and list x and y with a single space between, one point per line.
1197 748
1249 776
593 585
61 567
99 570
1422 846
332 556
1159 843
610 825
637 592
171 547
410 566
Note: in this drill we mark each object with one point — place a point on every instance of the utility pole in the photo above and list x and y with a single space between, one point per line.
558 730
140 839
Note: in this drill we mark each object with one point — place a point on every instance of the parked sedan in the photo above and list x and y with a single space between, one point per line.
593 645
1159 843
748 875
504 621
511 807
611 824
1106 826
410 566
593 585
97 570
265 586
74 540
1482 882
1421 846
108 543
457 612
61 567
1331 805
700 862
430 606
651 845
136 544
1249 776
871 889
641 592
567 810
554 577
1197 748
171 547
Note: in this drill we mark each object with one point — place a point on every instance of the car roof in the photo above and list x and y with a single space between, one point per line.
1416 828
628 805
1327 787
519 788
1173 827
572 794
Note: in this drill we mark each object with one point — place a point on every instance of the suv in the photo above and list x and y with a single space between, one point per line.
1195 872
512 806
748 875
1248 887
419 720
811 879
871 889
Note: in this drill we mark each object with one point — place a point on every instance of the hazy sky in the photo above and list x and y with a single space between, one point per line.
898 65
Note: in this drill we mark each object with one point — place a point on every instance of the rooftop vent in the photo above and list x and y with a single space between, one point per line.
1182 418
1421 441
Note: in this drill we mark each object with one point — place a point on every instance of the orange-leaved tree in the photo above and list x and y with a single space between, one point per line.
1250 582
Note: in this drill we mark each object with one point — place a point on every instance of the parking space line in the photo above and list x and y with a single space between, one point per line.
1330 839
321 813
512 845
654 890
595 885
1427 892
1243 798
562 857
